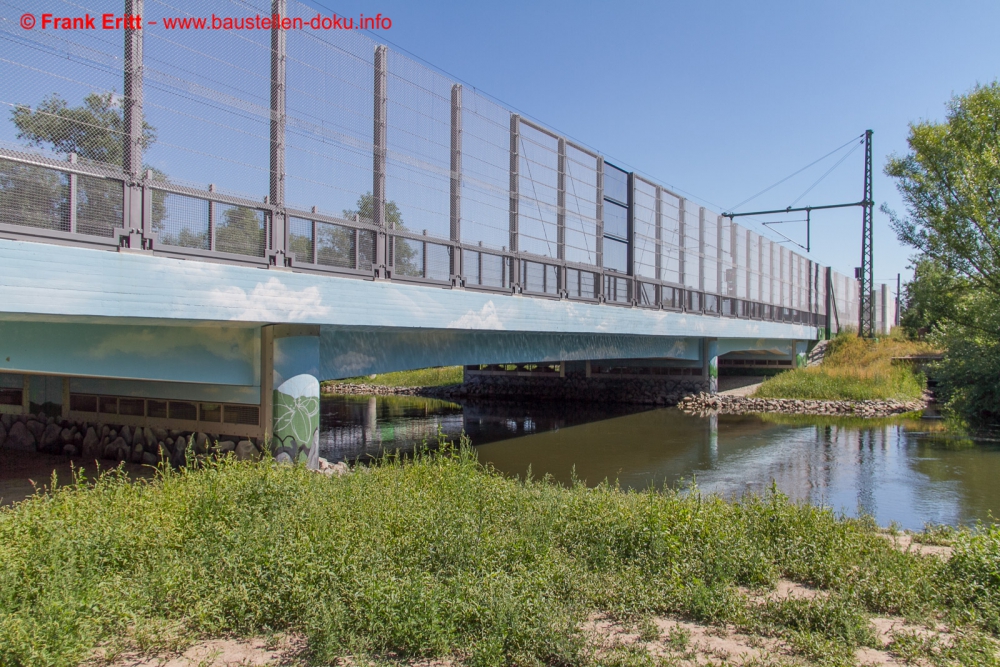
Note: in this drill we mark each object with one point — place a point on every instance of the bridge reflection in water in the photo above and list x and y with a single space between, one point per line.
901 471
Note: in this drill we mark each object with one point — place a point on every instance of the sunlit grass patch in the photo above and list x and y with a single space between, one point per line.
423 377
853 369
440 557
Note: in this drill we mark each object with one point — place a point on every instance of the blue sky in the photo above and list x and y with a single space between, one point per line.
721 99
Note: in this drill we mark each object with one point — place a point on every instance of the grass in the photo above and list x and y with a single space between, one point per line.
423 377
853 369
439 556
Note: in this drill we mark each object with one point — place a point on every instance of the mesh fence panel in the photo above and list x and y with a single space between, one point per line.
240 230
34 196
300 239
184 222
99 205
335 245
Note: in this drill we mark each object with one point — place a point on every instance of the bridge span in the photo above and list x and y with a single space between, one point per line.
256 213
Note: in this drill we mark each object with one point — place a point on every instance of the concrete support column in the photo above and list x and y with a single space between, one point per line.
801 353
290 392
710 363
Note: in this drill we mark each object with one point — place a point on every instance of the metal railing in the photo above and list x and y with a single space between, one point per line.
434 183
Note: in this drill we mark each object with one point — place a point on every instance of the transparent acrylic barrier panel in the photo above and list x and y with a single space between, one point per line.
646 294
581 284
34 196
615 255
692 246
538 188
670 243
644 229
581 206
207 94
330 106
418 161
184 221
484 269
485 171
540 278
616 289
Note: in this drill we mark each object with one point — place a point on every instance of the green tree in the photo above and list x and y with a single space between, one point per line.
94 131
950 182
407 259
931 297
242 231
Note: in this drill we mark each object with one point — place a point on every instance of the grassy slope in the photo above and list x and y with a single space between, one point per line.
853 369
441 557
424 377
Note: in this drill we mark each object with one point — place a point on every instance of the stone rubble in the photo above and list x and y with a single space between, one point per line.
141 445
743 405
608 389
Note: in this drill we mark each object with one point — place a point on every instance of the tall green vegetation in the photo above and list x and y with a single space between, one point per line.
853 369
950 182
439 556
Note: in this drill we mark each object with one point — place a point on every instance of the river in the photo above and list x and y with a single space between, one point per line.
905 471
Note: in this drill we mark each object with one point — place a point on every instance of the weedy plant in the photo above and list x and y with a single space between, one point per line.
853 369
438 555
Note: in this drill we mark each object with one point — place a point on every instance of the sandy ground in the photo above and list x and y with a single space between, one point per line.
732 385
677 641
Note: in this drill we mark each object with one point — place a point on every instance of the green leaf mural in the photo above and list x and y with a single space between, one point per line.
296 415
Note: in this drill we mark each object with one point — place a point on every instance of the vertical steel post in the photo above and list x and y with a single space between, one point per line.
73 193
830 305
749 291
659 232
132 117
379 153
701 250
279 223
599 241
719 255
561 200
866 317
457 270
630 244
515 166
561 218
899 296
681 250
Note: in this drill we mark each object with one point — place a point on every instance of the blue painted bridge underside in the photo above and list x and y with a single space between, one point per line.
96 313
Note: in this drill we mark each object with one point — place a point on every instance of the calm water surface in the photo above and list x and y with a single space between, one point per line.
906 472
